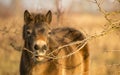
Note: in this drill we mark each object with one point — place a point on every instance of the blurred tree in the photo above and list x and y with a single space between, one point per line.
9 8
59 10
118 1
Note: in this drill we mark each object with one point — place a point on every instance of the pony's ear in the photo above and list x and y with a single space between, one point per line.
27 16
49 16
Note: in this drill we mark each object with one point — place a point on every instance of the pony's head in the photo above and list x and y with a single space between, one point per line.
36 33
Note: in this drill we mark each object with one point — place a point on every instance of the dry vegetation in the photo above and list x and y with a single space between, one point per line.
104 50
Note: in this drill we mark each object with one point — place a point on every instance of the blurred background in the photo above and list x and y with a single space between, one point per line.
83 15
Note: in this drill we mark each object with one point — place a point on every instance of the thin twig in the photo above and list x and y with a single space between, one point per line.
73 43
70 54
102 11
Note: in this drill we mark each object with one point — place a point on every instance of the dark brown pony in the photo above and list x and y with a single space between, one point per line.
40 40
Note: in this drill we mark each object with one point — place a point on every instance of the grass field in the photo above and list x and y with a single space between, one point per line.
104 54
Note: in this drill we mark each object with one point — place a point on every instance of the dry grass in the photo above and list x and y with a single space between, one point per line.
102 61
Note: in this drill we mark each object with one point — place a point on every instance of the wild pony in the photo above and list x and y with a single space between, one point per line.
39 55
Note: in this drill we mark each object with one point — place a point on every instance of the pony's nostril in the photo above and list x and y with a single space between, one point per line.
44 47
36 47
36 56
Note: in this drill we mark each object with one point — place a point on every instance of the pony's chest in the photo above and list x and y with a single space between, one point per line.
45 69
39 69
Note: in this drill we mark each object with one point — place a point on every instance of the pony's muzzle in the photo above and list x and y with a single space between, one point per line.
40 48
40 45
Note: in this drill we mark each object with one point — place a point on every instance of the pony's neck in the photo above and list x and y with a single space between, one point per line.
27 45
52 43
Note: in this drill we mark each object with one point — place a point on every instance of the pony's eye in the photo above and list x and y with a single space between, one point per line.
28 32
41 30
49 32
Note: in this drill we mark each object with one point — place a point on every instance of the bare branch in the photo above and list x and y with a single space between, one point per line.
102 10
